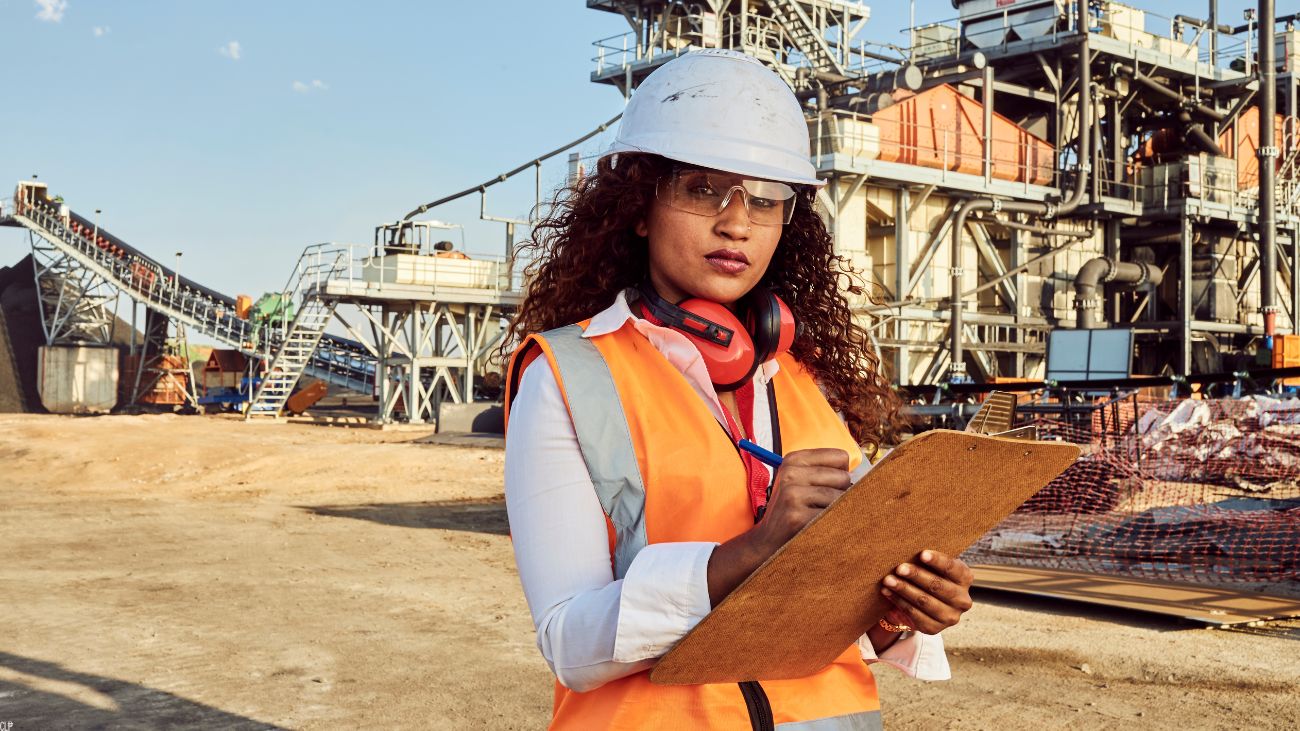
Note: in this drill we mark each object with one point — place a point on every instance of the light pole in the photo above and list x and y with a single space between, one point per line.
176 273
95 239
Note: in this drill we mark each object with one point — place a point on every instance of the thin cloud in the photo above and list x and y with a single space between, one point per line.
51 11
231 50
102 30
303 87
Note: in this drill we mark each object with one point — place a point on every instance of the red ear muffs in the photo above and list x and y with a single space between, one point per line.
732 350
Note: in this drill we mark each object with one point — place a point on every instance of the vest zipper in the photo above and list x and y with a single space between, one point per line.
760 710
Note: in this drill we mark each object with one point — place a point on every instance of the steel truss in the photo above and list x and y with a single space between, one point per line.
428 353
154 368
76 302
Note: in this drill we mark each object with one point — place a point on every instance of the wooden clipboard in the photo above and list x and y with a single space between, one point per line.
819 592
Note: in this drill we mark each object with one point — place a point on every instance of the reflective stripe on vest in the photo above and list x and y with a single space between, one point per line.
604 440
865 721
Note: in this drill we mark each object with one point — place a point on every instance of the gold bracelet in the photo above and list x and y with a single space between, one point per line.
894 627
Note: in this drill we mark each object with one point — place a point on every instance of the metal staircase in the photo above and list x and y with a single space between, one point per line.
806 36
297 345
291 359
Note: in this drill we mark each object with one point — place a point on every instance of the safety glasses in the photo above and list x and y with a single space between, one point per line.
708 192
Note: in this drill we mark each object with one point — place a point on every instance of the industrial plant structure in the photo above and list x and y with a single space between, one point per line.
1029 170
1034 166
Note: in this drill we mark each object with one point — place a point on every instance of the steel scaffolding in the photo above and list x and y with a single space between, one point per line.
974 173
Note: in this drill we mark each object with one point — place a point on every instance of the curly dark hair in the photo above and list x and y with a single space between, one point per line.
587 250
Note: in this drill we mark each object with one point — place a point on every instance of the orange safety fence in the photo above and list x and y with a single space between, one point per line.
1192 491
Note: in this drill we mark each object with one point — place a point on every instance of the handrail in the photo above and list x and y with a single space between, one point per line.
216 319
138 280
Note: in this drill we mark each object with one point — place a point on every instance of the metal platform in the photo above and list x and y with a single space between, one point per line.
365 293
1213 606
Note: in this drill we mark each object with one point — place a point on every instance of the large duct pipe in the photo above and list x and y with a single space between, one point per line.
1159 88
1045 210
1267 153
1102 270
1195 134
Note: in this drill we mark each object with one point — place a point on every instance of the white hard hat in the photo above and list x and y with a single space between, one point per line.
722 110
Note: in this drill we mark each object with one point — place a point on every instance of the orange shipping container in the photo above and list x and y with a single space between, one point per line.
942 128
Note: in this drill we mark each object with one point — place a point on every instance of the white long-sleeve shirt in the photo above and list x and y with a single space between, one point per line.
592 629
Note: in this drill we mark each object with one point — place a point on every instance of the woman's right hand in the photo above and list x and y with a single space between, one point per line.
807 481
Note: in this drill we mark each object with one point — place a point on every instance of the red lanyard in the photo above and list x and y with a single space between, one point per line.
756 476
755 473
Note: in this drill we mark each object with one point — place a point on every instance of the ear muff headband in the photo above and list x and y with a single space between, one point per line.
764 312
732 350
692 323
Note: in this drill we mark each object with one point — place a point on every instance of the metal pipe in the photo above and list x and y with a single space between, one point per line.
1045 230
1045 210
1159 88
988 123
1104 270
507 175
1205 24
1197 134
1248 26
1215 30
1267 153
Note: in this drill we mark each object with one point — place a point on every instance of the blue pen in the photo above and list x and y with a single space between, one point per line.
771 459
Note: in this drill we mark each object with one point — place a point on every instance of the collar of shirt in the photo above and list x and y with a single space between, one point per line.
675 346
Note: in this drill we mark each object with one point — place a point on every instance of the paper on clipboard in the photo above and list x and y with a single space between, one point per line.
816 595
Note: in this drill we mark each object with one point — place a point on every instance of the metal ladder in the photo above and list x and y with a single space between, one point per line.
1288 174
296 348
806 36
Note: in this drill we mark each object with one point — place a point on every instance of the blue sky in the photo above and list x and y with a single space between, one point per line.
240 132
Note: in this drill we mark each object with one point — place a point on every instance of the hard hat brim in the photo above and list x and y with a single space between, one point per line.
750 168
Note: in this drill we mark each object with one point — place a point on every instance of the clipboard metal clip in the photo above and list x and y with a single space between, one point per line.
996 417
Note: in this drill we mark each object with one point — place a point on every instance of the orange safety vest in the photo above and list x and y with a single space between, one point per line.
691 486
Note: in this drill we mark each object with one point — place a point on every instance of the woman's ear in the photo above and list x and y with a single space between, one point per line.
642 229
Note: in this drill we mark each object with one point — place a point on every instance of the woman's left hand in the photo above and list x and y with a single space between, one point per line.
931 597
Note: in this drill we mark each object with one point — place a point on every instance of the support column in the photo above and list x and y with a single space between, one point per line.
1118 189
1185 297
1018 283
1267 153
1112 246
988 124
902 265
1295 280
382 384
471 337
419 322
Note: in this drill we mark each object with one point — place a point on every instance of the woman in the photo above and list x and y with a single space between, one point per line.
658 330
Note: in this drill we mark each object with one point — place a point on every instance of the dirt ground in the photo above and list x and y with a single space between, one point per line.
167 572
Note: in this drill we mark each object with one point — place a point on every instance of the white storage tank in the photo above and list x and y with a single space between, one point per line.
77 379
